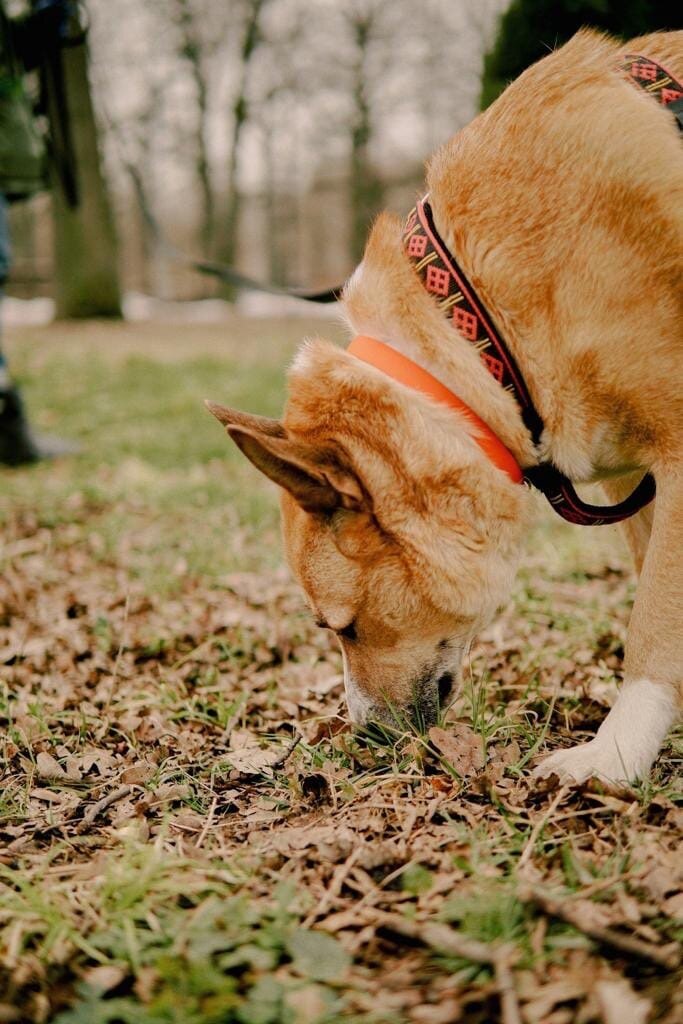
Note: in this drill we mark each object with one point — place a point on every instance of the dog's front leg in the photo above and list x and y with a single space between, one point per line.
649 702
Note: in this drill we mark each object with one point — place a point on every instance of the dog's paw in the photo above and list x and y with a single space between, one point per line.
587 763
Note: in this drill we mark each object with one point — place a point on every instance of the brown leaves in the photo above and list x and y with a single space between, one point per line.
461 748
171 724
48 768
619 1004
249 756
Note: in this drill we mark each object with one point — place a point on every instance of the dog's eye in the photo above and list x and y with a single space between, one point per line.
348 632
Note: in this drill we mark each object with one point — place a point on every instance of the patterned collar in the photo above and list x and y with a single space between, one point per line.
656 80
457 299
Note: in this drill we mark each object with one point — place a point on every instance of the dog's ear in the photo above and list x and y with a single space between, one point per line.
235 418
317 478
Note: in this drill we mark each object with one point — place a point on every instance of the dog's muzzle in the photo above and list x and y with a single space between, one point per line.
432 694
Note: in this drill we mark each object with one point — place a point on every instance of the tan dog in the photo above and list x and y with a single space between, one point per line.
563 204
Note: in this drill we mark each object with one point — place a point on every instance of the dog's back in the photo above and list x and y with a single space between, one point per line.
564 203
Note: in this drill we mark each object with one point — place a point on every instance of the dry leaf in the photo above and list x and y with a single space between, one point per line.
48 767
446 1012
460 746
619 1004
138 774
105 977
673 907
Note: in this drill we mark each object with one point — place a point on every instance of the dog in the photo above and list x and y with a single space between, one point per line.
563 206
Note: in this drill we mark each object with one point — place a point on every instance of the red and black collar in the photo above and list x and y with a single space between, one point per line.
656 80
444 279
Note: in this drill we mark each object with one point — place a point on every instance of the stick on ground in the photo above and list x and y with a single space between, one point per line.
668 956
446 940
93 812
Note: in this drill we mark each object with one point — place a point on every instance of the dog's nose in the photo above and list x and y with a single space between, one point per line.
444 687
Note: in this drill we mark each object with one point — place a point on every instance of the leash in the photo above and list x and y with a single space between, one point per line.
457 299
221 271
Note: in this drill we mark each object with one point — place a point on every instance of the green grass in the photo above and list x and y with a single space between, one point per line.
149 634
157 473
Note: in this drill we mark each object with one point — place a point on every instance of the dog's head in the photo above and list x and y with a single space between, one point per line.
401 533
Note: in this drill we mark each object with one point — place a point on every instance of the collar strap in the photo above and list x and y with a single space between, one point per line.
457 299
397 366
443 278
656 80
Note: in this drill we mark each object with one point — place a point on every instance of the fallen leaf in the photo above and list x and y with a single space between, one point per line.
318 955
105 977
138 774
619 1004
460 746
48 767
673 907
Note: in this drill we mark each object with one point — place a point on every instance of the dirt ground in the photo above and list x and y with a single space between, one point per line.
189 831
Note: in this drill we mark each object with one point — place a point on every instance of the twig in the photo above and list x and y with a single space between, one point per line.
447 940
437 936
664 956
505 983
207 823
280 761
101 805
334 888
539 826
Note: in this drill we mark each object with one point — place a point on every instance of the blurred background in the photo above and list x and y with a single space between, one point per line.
261 133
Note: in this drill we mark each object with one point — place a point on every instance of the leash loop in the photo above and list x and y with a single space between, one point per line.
561 494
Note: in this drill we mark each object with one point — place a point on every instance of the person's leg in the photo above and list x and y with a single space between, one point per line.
15 442
18 444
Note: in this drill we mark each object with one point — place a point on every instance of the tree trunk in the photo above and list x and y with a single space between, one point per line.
203 170
240 112
86 277
273 204
191 51
367 191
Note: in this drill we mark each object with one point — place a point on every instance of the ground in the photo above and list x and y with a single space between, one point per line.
190 833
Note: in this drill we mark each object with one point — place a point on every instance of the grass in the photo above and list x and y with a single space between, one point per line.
157 475
154 654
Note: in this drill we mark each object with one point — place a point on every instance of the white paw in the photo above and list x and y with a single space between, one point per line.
594 760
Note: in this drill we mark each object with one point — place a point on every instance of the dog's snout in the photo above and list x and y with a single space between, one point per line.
429 694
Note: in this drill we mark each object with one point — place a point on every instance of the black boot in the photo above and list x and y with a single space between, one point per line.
18 443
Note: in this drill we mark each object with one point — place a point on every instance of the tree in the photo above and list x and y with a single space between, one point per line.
312 115
194 53
365 184
85 250
251 35
530 28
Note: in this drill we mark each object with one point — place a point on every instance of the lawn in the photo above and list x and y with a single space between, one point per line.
190 833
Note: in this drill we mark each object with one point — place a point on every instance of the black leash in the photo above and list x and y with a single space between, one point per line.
231 276
221 271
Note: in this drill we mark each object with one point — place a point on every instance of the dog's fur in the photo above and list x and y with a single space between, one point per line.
563 203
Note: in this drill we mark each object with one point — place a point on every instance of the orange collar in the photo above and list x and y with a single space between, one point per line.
405 371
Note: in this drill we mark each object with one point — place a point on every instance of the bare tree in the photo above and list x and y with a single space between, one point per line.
86 265
303 108
193 50
250 38
366 188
